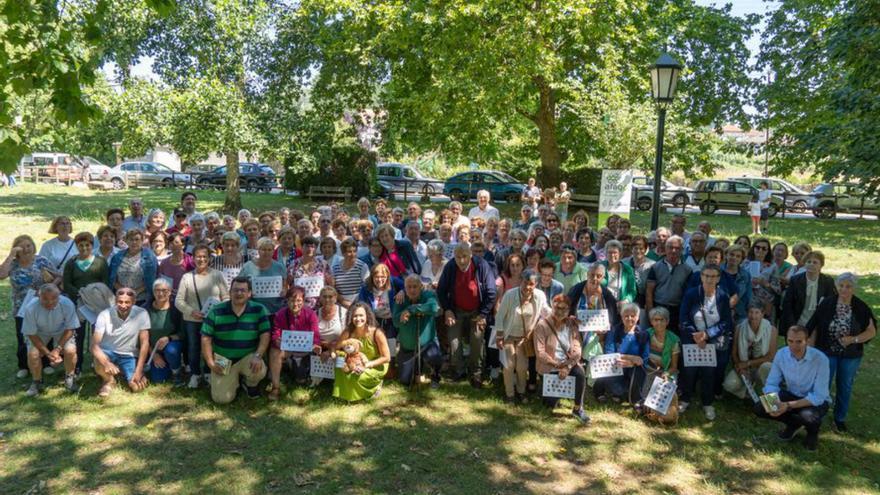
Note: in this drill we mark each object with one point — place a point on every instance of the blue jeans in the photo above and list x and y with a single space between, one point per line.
845 368
193 330
172 355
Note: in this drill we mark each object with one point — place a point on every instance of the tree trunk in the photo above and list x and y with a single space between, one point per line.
233 196
545 119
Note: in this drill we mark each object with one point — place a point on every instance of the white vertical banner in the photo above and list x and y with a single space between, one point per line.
615 194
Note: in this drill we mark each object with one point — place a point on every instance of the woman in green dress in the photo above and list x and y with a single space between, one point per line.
366 381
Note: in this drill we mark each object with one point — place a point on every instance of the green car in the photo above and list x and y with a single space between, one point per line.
712 195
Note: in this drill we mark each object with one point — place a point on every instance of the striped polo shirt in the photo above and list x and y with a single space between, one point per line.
234 337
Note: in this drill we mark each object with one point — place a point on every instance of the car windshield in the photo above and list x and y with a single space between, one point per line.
162 168
503 177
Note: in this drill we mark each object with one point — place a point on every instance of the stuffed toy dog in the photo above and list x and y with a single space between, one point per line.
353 355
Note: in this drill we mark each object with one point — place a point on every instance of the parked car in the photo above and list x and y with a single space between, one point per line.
500 185
140 174
796 199
251 176
54 165
831 199
197 171
97 170
399 178
712 195
643 193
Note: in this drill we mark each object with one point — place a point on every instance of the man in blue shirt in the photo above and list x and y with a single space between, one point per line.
136 220
804 401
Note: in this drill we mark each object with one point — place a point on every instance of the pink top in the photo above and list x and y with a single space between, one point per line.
306 320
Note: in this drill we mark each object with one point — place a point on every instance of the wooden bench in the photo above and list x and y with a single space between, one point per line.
330 192
586 201
100 184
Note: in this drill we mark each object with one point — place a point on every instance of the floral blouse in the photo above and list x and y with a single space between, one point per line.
298 270
840 326
23 279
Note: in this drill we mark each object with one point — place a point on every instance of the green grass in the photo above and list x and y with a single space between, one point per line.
454 440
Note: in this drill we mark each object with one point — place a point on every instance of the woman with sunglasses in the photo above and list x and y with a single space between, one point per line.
766 283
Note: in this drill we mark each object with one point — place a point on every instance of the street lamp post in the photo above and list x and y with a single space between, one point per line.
664 79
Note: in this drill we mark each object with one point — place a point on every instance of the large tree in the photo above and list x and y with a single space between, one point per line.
464 76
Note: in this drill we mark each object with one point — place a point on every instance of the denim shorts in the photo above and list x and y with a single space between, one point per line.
125 363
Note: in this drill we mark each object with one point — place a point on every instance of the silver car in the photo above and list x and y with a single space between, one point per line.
146 174
397 178
643 193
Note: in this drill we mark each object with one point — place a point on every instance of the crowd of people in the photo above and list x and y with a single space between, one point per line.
422 296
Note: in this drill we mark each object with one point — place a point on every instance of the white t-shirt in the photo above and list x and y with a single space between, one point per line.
121 336
486 214
49 322
709 316
330 330
58 252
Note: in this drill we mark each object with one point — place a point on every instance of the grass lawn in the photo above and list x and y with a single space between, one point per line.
453 440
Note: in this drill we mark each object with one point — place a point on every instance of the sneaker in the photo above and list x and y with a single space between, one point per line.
48 370
193 381
788 433
811 442
709 411
494 373
22 373
206 379
177 378
682 406
840 426
435 383
252 392
581 416
70 383
34 389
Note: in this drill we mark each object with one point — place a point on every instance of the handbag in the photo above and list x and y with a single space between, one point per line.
529 332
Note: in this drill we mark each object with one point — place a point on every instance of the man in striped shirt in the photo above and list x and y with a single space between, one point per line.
235 336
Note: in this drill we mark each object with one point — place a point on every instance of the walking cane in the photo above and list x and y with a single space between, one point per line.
417 373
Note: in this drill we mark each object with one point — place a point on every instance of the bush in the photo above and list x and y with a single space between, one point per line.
345 166
583 179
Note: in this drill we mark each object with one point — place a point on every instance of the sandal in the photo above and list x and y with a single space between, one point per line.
274 393
105 390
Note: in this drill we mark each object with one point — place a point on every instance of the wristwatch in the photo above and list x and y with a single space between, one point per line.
856 339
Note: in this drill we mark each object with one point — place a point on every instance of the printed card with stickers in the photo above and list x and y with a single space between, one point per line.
297 341
593 320
311 285
605 365
694 356
660 395
266 287
320 369
554 387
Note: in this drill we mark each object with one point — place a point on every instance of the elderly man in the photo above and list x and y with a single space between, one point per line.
188 203
483 209
805 398
457 218
137 219
235 337
413 233
659 250
467 294
51 318
121 343
667 280
678 227
413 214
414 320
696 256
429 233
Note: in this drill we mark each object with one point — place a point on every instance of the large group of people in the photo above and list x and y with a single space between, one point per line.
421 296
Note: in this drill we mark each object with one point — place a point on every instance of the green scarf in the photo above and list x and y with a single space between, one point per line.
668 344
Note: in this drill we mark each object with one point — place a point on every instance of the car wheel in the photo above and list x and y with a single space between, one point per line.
252 186
204 184
799 206
456 195
644 204
511 197
772 210
824 211
680 200
708 207
167 183
428 190
118 183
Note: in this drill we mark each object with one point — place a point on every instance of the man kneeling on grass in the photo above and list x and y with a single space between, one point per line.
121 343
51 318
235 337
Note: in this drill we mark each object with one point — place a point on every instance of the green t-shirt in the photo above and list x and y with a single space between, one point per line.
161 324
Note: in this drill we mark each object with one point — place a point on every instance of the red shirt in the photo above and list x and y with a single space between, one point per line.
466 293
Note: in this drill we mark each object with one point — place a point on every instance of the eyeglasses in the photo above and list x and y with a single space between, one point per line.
125 292
161 291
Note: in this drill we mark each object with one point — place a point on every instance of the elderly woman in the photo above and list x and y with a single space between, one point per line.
265 267
799 252
60 248
568 271
134 267
780 262
105 245
590 297
378 293
397 255
250 246
555 247
115 217
619 277
309 269
641 265
754 347
179 262
733 267
155 223
840 327
285 252
585 239
365 380
198 234
231 261
665 345
295 316
519 311
706 320
511 276
199 288
766 285
634 346
805 292
432 268
517 245
331 321
328 248
86 268
212 226
165 345
558 350
26 271
158 242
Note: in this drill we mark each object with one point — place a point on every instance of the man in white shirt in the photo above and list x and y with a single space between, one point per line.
413 234
483 209
457 218
136 220
696 251
51 318
121 343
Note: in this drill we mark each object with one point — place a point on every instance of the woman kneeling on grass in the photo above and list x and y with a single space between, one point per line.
365 379
558 348
299 317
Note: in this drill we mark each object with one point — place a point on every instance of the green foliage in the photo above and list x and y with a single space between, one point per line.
346 165
824 97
